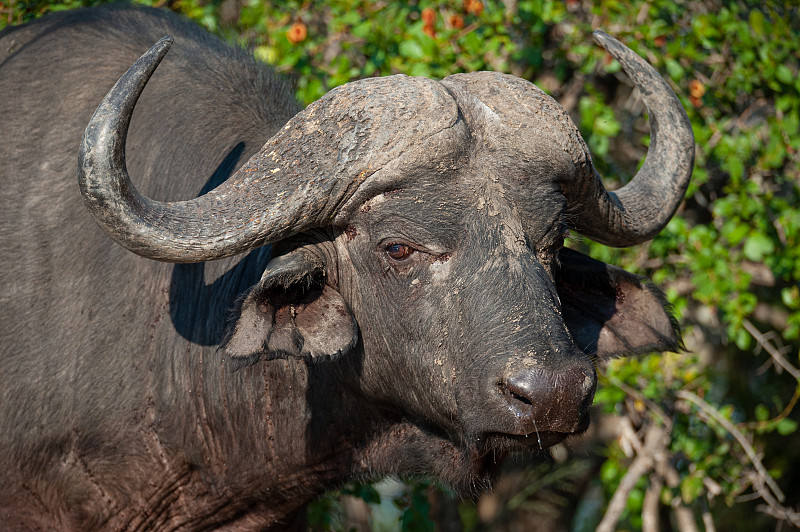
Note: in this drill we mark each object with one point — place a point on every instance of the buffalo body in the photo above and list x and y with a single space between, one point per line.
373 285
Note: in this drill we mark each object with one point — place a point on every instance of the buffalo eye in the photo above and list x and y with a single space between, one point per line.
399 251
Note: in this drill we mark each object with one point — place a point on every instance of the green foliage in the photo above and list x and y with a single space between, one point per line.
325 513
729 261
415 509
349 39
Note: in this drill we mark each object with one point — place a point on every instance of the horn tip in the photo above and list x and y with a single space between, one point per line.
603 39
163 45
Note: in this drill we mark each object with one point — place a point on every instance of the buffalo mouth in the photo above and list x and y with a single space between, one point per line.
535 441
529 437
494 447
468 464
477 467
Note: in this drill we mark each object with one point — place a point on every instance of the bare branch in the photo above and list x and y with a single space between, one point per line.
781 513
773 507
712 486
684 518
655 441
640 465
651 504
774 352
628 440
737 434
708 519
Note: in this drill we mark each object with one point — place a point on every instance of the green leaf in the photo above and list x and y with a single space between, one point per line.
674 69
786 426
735 231
742 339
784 75
411 50
756 20
790 296
735 167
362 30
691 488
757 246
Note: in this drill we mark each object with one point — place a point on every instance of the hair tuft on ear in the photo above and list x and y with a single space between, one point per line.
291 313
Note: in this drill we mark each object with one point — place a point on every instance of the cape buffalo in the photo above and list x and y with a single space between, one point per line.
374 285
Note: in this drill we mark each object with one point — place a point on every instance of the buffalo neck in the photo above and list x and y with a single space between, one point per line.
279 430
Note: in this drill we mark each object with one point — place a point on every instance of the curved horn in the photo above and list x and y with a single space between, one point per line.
228 220
643 207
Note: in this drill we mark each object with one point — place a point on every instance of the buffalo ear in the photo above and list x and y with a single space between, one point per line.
611 312
291 312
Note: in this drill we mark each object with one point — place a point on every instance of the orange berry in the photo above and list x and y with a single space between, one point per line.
297 32
428 16
474 7
456 21
696 89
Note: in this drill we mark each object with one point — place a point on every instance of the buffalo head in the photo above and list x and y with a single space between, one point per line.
418 231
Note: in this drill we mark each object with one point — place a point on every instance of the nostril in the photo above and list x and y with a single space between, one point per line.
521 398
521 389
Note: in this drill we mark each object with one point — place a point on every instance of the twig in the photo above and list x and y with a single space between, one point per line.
657 410
783 514
774 508
628 440
708 519
784 414
684 517
654 441
737 434
651 504
683 514
640 465
776 355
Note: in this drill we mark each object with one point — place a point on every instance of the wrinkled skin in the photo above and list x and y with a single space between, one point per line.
431 327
